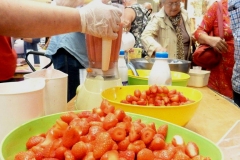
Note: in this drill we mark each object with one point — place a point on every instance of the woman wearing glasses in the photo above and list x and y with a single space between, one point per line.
169 30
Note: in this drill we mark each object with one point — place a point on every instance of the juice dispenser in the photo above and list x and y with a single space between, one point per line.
102 72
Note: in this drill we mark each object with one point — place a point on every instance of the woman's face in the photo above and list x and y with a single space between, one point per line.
172 7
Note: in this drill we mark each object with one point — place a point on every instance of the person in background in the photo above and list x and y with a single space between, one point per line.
47 20
234 12
31 44
169 30
148 6
220 76
135 19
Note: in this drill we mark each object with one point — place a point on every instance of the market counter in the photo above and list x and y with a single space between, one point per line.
213 118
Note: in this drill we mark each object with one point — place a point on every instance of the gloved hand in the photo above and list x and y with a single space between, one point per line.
100 20
71 3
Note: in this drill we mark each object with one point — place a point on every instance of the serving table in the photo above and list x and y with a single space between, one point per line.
213 118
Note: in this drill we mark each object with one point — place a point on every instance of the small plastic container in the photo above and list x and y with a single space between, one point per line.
122 68
230 143
198 78
160 73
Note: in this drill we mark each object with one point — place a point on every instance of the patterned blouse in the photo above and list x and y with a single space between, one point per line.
138 25
220 77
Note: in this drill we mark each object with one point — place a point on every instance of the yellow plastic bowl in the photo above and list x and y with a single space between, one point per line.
178 78
179 115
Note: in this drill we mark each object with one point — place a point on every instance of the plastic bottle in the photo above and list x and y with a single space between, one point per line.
160 73
122 68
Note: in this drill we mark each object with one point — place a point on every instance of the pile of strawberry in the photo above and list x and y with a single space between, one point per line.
156 96
106 133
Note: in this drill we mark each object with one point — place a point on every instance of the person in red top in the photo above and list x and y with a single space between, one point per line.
220 76
47 20
8 59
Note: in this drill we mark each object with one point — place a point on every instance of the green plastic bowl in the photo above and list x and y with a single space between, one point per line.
15 141
178 78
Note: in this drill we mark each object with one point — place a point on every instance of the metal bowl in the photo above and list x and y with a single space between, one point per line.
174 64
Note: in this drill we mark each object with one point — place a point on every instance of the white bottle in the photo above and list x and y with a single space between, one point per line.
122 68
160 73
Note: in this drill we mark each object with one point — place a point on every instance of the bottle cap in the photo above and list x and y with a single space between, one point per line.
161 55
121 53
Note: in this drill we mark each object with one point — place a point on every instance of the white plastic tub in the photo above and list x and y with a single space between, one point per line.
55 91
198 78
230 143
20 102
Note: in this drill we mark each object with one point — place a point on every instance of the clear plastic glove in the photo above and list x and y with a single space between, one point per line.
100 20
71 3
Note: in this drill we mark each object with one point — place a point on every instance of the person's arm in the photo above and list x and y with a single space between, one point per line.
206 27
128 17
149 35
46 20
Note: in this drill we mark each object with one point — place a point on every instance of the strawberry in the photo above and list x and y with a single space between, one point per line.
127 119
122 145
160 89
128 155
134 134
152 125
70 137
174 98
145 154
147 135
98 111
163 154
137 93
33 141
81 125
165 90
153 88
180 156
95 123
159 135
182 98
89 147
89 156
102 144
93 130
49 150
177 140
163 129
50 159
110 155
125 125
192 149
84 114
117 133
79 150
199 157
25 155
120 114
136 146
93 117
68 155
68 117
110 121
107 107
59 152
38 151
60 124
157 144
